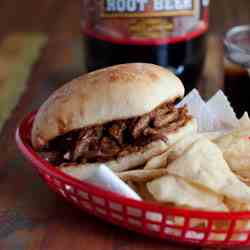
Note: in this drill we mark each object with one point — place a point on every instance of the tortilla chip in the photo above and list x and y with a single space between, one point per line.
79 172
179 148
236 206
212 136
142 175
181 193
190 127
173 152
159 161
235 147
204 165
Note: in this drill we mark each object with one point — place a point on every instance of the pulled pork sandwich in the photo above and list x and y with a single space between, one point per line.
121 116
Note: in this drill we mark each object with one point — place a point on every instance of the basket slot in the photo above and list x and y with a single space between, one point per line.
154 222
134 212
71 193
215 237
116 216
133 216
85 204
83 195
56 182
101 211
153 217
74 199
220 226
195 229
193 235
240 237
135 222
195 223
59 187
99 201
242 226
70 189
174 220
116 207
172 232
153 228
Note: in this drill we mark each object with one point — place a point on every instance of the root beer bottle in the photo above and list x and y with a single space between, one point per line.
170 33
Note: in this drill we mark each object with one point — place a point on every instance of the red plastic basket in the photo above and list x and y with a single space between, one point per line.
152 219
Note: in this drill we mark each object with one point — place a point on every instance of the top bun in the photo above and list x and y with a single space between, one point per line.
117 92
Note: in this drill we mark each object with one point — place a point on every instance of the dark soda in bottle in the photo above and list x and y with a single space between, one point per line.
170 33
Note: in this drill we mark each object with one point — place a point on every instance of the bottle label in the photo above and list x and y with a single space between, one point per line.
145 22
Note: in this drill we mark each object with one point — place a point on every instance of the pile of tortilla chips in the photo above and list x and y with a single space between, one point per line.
209 171
201 171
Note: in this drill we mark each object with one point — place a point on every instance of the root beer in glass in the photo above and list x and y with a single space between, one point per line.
237 87
237 68
170 33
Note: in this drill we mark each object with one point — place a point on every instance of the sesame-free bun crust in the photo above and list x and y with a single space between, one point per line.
117 92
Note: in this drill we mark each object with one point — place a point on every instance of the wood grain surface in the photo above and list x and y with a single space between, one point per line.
31 216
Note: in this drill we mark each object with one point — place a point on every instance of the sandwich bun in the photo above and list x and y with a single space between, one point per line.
114 93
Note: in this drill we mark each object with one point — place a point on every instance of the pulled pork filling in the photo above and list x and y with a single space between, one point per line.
101 143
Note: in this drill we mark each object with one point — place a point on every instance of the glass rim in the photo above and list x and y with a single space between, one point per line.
231 33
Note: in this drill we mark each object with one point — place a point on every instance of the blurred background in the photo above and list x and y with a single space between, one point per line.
55 17
41 46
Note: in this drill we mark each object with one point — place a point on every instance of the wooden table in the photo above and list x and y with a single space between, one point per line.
31 216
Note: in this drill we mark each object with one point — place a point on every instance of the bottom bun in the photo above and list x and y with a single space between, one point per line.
123 163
